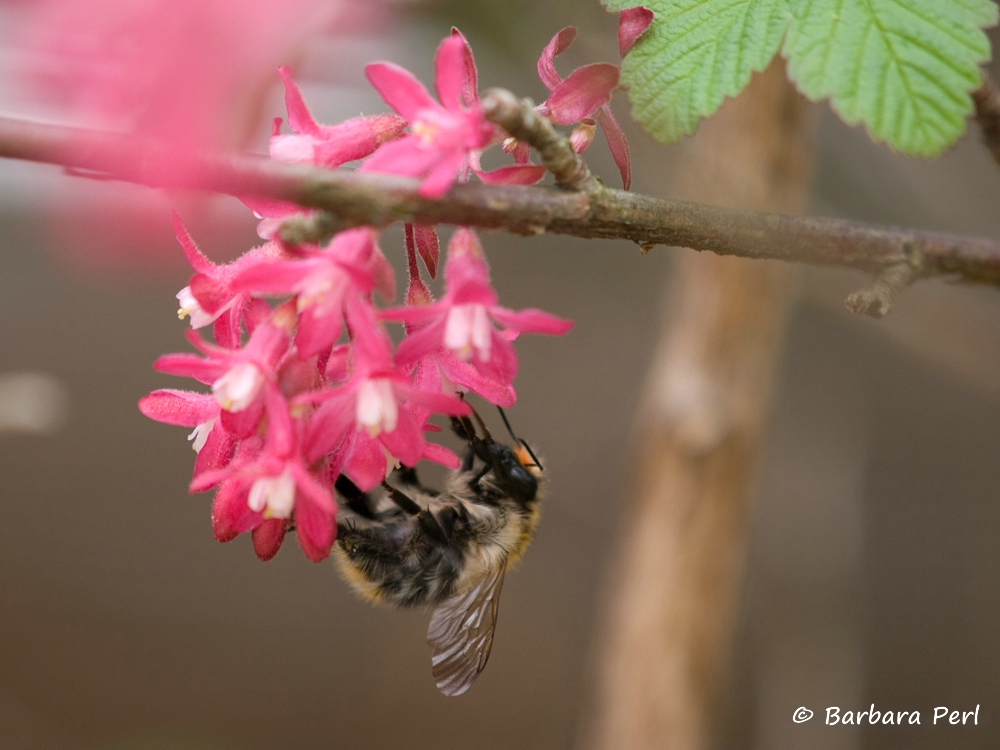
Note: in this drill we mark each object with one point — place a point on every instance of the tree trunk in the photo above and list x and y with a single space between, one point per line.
699 433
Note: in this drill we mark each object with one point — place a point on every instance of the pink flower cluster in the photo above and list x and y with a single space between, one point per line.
310 386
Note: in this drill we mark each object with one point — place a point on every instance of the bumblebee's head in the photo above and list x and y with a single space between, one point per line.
515 471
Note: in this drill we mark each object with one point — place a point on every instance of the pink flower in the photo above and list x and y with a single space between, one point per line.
210 296
462 323
185 71
371 415
632 24
269 482
442 136
240 378
440 371
352 266
582 96
329 145
213 444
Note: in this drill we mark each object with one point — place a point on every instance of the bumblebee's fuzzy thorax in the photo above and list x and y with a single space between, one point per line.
407 545
395 558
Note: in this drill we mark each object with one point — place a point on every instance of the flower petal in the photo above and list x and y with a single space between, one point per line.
226 328
546 65
194 256
366 464
212 295
617 143
400 89
299 117
314 491
420 343
315 529
441 455
531 321
231 515
426 240
183 408
582 135
406 157
583 93
465 375
470 89
190 366
267 538
276 277
442 175
356 138
243 424
319 329
450 71
406 442
632 24
518 174
270 208
216 453
327 427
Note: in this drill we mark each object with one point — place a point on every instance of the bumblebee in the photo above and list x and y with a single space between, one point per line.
408 545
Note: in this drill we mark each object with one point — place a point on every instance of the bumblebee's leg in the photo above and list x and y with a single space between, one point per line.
407 476
464 428
406 504
358 501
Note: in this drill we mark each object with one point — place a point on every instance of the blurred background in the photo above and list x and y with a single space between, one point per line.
873 558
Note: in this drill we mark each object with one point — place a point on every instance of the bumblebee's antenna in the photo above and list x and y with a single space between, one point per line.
503 416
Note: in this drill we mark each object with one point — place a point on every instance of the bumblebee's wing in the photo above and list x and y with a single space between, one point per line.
461 634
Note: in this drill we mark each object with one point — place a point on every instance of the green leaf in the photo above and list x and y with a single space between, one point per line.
694 55
902 67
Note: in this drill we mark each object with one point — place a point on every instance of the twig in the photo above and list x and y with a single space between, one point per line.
987 100
876 300
519 118
317 228
378 200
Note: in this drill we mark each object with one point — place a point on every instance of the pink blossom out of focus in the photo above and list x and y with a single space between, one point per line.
177 70
328 145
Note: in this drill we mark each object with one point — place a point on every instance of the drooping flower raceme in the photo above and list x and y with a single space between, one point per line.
303 383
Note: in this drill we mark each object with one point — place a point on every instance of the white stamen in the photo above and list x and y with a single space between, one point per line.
377 409
239 387
200 434
276 494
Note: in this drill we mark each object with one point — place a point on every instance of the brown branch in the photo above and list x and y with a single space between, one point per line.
378 200
987 101
519 118
876 300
